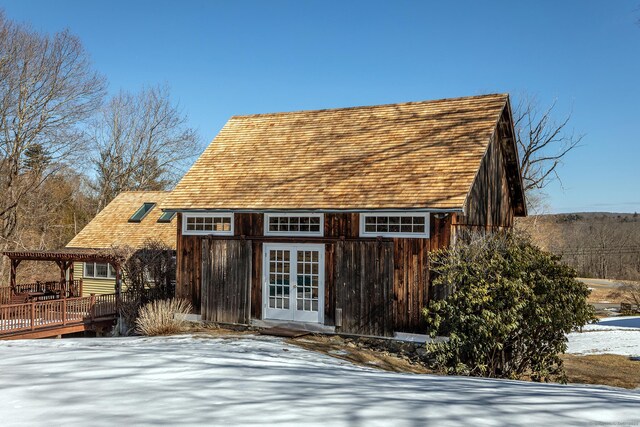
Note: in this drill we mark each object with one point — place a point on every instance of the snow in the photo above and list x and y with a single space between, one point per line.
612 335
195 380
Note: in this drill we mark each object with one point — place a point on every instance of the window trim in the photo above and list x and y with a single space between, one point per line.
111 274
186 232
424 235
269 215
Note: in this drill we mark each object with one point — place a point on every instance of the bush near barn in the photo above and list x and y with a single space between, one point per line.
506 310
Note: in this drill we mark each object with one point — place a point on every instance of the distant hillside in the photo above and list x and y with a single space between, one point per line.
597 244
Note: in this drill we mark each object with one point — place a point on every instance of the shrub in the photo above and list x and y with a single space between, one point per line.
507 309
163 317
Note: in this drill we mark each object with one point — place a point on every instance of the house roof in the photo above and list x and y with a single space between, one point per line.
111 227
409 155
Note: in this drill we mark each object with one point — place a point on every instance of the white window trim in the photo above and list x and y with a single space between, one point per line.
424 235
111 274
186 232
267 216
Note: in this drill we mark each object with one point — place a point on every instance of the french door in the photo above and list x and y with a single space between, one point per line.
293 282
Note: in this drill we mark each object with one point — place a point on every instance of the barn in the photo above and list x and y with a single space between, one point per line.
325 219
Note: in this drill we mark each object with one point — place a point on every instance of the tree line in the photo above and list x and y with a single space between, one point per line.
66 147
595 244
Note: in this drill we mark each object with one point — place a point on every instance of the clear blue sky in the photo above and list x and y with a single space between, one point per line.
227 58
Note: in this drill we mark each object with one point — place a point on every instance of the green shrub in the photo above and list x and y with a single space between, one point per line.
506 310
163 317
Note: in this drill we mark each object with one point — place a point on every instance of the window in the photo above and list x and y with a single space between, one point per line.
99 270
394 224
167 216
293 224
208 223
142 212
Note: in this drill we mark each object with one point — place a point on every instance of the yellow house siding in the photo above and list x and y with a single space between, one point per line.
91 285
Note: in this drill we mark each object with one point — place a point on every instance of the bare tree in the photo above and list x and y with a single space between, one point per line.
47 89
142 142
543 143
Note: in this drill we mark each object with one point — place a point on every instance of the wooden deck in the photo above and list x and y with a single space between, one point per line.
40 319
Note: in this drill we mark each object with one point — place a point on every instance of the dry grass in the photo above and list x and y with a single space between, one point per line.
336 347
605 369
163 317
604 295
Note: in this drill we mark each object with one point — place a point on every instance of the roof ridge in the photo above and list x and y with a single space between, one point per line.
143 191
364 107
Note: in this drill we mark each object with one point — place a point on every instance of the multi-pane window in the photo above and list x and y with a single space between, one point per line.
279 276
208 224
395 224
99 270
290 224
307 286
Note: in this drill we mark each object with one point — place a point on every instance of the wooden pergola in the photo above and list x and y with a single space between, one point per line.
64 259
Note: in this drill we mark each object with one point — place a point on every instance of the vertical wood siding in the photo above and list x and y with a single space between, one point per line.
489 203
408 261
363 286
188 267
226 279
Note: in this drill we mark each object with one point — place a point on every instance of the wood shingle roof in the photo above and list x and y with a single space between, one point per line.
410 155
111 227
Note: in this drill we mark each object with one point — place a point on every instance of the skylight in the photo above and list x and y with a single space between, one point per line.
167 216
142 212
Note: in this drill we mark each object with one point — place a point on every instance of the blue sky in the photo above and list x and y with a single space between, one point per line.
227 58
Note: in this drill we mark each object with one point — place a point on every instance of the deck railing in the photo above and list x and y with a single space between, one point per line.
65 311
59 312
72 286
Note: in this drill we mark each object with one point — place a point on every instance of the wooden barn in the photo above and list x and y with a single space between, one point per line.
326 218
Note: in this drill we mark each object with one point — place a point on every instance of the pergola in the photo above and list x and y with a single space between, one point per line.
64 259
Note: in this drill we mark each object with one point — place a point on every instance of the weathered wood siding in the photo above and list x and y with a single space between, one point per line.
188 267
226 280
408 261
363 286
489 203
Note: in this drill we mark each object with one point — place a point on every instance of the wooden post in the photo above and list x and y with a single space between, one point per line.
64 311
12 279
118 286
93 307
63 284
33 315
71 279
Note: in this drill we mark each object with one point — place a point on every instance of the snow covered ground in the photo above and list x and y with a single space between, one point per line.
262 380
613 335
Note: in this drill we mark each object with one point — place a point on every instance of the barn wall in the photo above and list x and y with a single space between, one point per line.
408 262
489 203
226 278
363 277
188 267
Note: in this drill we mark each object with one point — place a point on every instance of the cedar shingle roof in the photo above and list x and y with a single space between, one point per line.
410 155
111 227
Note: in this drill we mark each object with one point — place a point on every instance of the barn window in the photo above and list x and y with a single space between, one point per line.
99 270
294 224
208 223
394 224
